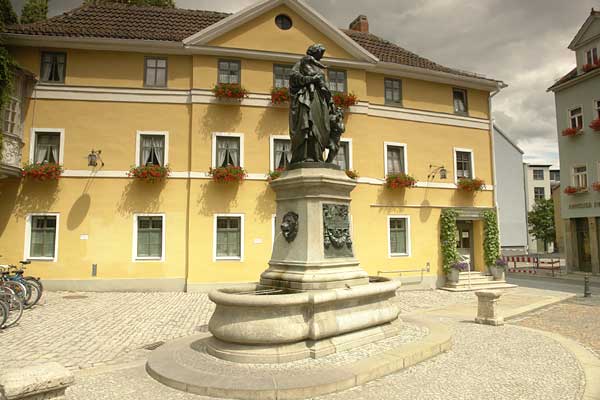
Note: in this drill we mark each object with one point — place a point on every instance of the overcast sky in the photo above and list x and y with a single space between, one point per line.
522 42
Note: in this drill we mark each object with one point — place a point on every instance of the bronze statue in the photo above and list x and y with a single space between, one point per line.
316 123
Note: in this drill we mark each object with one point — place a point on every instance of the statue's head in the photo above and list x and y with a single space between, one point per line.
316 50
289 226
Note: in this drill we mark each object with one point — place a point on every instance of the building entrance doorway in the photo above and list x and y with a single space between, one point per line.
584 253
465 241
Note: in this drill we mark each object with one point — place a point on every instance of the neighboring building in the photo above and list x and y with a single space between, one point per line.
555 175
510 183
577 97
537 178
136 83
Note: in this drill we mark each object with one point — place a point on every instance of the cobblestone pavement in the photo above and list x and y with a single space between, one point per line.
577 318
83 330
485 363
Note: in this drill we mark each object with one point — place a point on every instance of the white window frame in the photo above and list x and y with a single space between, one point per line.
472 162
33 137
27 248
226 134
272 140
533 174
138 141
587 175
242 226
408 244
385 157
591 51
349 141
596 108
582 116
134 256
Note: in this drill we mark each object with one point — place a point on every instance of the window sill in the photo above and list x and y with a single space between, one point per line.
462 114
228 258
52 83
143 259
47 259
393 104
396 255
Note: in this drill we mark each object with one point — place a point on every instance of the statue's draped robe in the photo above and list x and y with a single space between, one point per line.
309 113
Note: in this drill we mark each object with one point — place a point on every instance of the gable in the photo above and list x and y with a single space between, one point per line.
589 31
262 33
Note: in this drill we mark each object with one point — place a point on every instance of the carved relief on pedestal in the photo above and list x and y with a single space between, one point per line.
336 231
11 151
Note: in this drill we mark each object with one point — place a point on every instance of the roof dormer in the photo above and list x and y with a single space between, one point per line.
586 44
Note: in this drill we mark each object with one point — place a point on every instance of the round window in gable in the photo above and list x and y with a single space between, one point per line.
283 22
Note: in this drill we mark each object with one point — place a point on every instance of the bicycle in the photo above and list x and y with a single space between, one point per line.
33 286
11 303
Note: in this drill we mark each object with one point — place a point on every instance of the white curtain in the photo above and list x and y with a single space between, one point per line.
395 160
158 147
146 147
283 149
54 152
228 152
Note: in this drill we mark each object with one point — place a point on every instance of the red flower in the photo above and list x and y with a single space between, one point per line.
589 67
149 173
230 91
280 95
395 181
572 190
470 185
596 186
229 173
42 171
595 125
571 131
345 100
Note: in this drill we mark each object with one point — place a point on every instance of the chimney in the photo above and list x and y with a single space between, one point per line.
360 24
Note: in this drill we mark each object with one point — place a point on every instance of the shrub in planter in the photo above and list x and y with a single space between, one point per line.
453 273
570 131
470 185
596 186
227 174
229 91
149 173
352 174
42 171
275 174
499 269
395 181
345 100
595 125
280 95
570 190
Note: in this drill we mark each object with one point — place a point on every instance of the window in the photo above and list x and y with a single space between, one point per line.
591 56
283 22
47 147
337 81
229 72
460 101
393 91
42 237
227 151
597 104
152 148
538 174
155 72
149 237
576 118
53 67
12 121
282 153
580 176
539 193
229 237
344 156
395 158
281 75
464 164
555 175
398 235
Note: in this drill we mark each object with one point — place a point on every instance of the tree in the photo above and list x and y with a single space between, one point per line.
34 11
158 3
7 13
541 221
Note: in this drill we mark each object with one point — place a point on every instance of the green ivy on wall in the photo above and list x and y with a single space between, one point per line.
491 238
448 238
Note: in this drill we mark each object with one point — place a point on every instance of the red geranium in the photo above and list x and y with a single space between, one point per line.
227 174
396 181
229 91
275 174
149 173
572 190
280 95
596 186
470 185
595 125
345 100
42 171
571 131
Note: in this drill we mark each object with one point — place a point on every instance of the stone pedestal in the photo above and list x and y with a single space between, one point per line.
487 308
321 255
37 382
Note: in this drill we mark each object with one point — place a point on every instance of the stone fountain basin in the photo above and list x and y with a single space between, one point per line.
275 319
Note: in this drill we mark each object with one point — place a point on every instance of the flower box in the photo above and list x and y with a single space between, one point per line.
149 173
227 174
596 186
470 185
345 100
280 95
590 67
595 125
571 190
229 91
352 174
396 181
42 171
275 174
571 131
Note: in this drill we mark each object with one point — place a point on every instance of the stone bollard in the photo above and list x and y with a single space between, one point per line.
487 308
44 381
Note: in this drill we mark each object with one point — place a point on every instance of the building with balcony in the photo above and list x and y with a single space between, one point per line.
577 97
120 87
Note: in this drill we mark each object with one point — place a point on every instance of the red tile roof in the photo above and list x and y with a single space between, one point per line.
121 21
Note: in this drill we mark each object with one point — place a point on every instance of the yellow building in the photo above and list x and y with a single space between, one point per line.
136 84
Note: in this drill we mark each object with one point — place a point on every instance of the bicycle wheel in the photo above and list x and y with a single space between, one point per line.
3 313
36 280
35 293
15 307
18 288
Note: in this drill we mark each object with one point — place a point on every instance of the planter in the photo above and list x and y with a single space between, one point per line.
595 125
352 174
345 100
42 171
452 275
149 173
227 174
229 91
596 186
590 67
498 273
275 174
470 185
570 132
571 190
280 95
399 181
